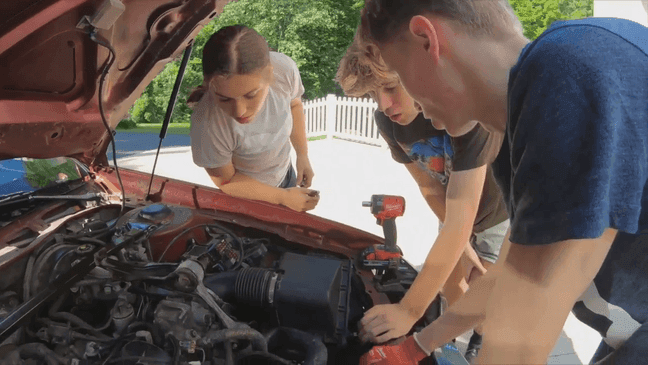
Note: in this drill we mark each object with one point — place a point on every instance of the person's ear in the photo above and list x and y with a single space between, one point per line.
425 34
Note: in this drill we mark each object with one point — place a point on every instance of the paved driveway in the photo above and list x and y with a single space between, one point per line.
135 144
346 173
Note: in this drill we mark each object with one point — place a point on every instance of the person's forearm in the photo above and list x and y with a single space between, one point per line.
437 203
298 134
468 312
535 291
243 186
464 315
441 260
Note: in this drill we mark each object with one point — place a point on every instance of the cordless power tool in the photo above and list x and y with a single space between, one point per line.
386 208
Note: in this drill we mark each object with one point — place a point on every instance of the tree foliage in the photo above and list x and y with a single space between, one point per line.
42 173
537 15
313 33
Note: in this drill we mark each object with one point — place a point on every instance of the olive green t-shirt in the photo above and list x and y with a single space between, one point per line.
439 155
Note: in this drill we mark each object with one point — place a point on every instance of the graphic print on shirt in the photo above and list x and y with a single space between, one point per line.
434 154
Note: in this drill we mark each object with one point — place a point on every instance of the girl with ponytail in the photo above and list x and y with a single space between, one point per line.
247 115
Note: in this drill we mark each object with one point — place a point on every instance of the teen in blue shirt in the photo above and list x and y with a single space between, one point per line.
573 106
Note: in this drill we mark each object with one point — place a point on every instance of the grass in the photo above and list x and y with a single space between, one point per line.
174 128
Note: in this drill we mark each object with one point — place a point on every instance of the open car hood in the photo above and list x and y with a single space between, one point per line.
50 68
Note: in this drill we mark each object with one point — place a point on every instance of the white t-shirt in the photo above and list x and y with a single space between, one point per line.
260 149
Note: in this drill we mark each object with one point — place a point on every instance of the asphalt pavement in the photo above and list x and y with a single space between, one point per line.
132 144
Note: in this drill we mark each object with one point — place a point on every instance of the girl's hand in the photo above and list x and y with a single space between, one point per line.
304 172
300 199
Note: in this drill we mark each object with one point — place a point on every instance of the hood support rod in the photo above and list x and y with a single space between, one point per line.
169 111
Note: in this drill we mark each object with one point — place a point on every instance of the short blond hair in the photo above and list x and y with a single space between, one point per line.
362 70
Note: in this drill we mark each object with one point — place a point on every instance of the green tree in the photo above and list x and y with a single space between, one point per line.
314 34
537 15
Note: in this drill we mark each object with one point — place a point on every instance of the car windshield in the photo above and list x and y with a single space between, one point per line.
21 175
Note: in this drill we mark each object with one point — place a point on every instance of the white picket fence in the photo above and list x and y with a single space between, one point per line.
344 118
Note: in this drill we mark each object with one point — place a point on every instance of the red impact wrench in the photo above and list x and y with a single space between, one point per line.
386 208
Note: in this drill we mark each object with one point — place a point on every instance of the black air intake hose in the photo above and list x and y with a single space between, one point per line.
255 286
222 284
314 350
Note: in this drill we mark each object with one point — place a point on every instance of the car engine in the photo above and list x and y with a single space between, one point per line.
165 284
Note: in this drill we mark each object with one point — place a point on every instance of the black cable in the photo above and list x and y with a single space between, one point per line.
139 359
176 349
111 60
237 239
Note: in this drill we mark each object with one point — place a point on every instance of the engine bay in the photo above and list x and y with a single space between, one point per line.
166 284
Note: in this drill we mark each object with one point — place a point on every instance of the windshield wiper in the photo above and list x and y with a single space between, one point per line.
26 196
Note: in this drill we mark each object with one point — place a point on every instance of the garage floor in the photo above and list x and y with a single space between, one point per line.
346 173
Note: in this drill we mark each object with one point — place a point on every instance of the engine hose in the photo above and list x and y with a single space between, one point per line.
316 352
176 349
254 286
81 336
267 355
91 240
69 317
40 351
222 284
57 304
28 277
137 360
255 337
137 326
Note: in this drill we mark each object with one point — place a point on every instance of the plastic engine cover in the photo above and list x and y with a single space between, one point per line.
313 295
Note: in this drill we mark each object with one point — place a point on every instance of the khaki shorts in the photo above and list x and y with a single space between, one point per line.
488 243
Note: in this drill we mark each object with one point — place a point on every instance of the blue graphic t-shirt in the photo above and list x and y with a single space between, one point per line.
575 162
439 154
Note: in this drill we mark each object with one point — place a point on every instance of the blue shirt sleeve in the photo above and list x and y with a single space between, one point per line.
577 132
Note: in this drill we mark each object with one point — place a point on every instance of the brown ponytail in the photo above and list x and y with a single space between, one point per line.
232 50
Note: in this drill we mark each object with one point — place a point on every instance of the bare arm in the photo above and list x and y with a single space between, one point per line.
462 201
243 186
434 194
239 185
384 322
432 190
468 312
300 144
534 280
298 134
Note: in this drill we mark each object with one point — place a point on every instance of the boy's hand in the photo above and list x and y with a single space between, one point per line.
407 352
385 322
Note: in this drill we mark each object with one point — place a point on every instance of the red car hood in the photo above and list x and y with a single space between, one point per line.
50 68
